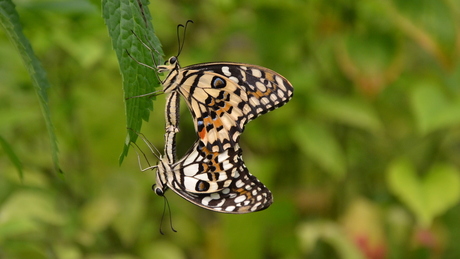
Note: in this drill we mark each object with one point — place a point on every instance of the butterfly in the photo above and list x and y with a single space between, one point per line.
224 96
215 181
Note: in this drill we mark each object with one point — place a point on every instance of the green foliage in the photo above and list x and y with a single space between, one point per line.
12 156
9 19
319 144
429 197
432 109
362 163
311 233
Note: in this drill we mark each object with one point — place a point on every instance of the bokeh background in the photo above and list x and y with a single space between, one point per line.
363 162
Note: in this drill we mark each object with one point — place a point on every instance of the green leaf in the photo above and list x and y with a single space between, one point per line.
433 110
330 232
12 155
442 188
320 145
427 103
122 19
64 7
403 182
427 197
9 19
28 211
353 112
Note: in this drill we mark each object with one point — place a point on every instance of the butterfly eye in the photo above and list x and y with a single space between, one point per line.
218 82
172 60
158 191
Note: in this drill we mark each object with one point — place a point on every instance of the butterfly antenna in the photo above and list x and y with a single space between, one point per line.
181 44
178 40
162 217
170 216
166 204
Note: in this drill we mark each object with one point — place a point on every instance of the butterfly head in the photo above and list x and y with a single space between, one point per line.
158 189
171 64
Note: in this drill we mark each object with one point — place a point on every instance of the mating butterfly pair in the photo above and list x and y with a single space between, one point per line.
222 97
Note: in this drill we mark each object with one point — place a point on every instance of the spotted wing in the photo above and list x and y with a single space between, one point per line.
223 97
218 181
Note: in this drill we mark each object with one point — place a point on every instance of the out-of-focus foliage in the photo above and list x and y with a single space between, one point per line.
363 162
9 19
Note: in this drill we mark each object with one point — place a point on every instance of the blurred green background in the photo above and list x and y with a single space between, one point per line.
363 162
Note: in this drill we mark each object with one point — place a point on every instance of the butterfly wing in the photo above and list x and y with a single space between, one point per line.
223 97
218 181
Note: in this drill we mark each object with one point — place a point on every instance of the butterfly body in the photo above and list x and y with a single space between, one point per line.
223 96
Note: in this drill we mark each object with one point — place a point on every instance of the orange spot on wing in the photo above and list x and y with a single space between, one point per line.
207 121
242 191
259 93
270 76
202 133
216 123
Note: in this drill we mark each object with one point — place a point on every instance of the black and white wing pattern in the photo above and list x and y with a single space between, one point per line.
223 96
215 181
